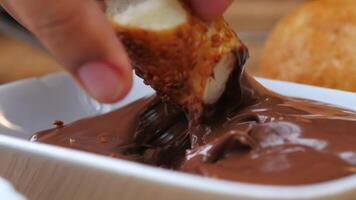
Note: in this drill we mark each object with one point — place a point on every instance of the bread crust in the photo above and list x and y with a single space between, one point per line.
177 62
315 44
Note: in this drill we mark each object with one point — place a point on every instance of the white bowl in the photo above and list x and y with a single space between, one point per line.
48 172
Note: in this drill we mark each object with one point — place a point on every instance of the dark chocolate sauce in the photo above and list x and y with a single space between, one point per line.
254 136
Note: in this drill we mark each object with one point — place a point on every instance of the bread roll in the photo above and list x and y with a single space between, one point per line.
315 44
186 60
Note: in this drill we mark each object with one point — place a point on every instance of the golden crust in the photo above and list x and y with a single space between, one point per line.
315 44
177 62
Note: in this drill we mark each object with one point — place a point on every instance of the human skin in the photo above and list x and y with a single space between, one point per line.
80 37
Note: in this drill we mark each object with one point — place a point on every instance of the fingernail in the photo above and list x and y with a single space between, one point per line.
101 81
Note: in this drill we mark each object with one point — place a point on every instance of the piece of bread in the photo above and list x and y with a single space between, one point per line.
315 44
186 60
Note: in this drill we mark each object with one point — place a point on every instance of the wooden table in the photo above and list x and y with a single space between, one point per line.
252 19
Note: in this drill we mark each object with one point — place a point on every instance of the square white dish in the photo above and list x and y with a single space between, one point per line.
47 172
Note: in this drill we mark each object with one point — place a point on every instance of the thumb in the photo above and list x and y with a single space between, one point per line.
78 34
210 9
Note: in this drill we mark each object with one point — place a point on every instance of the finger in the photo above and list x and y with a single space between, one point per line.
79 35
210 9
10 11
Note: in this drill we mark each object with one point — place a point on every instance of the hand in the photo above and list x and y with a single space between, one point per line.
78 34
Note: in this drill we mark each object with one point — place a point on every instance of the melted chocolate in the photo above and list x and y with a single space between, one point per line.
255 136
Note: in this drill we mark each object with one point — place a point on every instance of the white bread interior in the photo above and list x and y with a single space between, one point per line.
216 84
154 15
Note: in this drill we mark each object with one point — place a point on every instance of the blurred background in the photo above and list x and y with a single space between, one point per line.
21 55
